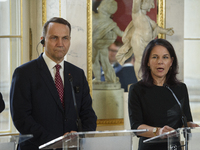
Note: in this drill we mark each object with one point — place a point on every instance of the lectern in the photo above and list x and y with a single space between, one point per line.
97 140
180 139
10 141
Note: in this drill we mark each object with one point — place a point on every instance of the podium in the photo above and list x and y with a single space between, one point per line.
10 141
98 140
179 139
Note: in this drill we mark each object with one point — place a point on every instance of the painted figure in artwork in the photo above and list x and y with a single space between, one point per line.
105 32
140 31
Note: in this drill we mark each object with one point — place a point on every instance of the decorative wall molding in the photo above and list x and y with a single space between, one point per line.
161 16
89 44
44 12
105 122
21 22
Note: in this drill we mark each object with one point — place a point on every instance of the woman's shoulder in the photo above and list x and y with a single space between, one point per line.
135 84
138 85
180 84
181 87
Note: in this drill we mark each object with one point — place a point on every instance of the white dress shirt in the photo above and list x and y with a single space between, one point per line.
51 65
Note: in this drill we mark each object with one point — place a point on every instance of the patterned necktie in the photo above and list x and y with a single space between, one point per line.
59 84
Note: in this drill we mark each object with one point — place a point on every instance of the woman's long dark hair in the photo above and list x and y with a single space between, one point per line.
171 78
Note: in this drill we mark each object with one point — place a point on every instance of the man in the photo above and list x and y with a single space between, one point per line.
127 73
112 51
2 104
41 108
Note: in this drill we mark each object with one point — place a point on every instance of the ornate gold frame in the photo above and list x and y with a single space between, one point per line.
161 16
161 23
106 122
21 24
89 44
44 11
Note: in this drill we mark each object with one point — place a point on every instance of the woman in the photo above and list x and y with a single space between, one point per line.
2 104
151 105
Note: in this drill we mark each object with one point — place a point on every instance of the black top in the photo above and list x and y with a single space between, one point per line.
2 104
155 106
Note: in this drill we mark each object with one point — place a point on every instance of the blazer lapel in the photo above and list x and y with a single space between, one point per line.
47 78
67 88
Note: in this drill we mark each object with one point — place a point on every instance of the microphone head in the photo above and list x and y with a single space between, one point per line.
165 85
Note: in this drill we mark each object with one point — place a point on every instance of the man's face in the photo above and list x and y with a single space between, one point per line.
57 41
112 51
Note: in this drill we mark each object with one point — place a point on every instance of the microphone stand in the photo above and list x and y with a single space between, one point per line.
79 125
183 118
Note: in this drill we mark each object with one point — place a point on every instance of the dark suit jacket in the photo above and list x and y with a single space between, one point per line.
2 104
117 67
126 76
36 108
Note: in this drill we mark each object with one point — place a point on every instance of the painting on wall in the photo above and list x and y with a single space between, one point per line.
123 14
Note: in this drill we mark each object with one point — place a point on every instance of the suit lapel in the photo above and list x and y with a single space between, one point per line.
67 88
47 78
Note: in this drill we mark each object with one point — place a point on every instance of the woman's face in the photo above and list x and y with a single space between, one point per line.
159 62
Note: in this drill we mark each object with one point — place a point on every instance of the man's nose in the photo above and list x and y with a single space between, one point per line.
60 42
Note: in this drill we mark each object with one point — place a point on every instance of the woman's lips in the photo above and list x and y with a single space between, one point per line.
160 69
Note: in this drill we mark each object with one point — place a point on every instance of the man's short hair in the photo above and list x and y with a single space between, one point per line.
130 58
56 20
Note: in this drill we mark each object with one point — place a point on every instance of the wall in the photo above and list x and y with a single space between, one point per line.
175 19
192 39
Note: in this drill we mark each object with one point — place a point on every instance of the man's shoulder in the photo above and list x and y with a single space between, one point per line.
72 66
28 64
31 66
68 64
125 69
77 73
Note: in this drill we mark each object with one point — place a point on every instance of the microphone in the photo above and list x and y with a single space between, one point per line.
183 118
79 125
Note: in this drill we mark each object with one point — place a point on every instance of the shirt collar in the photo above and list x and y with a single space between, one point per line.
50 63
127 65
